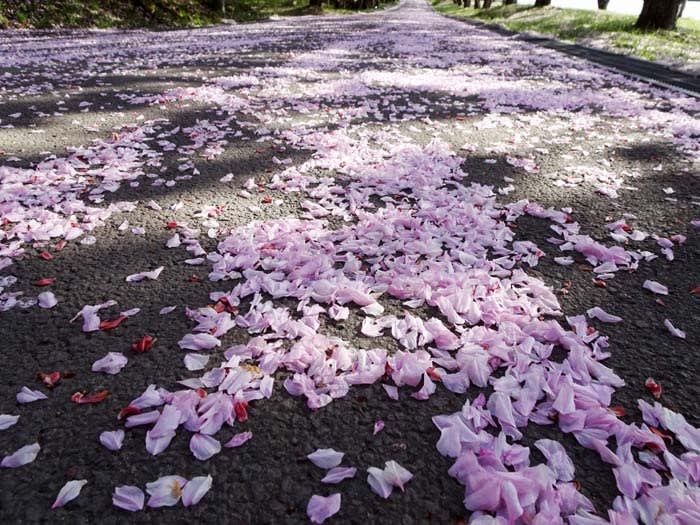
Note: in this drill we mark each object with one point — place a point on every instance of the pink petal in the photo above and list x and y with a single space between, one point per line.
128 497
111 364
69 492
22 456
203 446
199 342
602 315
326 458
674 331
378 482
655 287
239 439
47 300
338 474
112 440
7 420
27 395
396 474
165 491
378 427
195 490
320 508
136 277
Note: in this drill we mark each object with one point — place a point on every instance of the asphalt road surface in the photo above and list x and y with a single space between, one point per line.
394 235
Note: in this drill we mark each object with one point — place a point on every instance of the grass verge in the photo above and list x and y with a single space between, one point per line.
594 28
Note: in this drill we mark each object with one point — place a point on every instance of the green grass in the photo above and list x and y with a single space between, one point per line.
105 13
613 31
147 13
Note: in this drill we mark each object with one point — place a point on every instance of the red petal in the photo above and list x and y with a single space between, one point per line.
193 278
241 410
662 435
599 283
46 281
618 410
696 290
50 380
60 245
267 199
653 387
143 345
171 225
433 374
128 411
113 323
83 399
201 393
46 256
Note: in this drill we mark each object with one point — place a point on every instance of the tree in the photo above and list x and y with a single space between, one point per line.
603 4
315 3
510 2
659 14
487 3
542 3
220 6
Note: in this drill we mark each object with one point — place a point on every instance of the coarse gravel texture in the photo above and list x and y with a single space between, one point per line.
269 479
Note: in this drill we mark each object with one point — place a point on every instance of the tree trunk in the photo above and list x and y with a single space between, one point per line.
542 3
315 3
510 2
603 4
477 4
467 3
681 8
487 3
220 6
659 14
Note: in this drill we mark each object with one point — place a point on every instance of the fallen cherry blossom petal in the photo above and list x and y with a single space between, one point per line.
600 314
203 446
167 309
84 399
113 439
239 439
129 498
320 508
196 361
27 395
21 457
673 330
113 323
326 458
199 342
338 474
69 492
378 427
46 281
7 420
143 345
195 490
653 387
153 274
655 287
47 300
50 380
112 363
378 482
166 491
